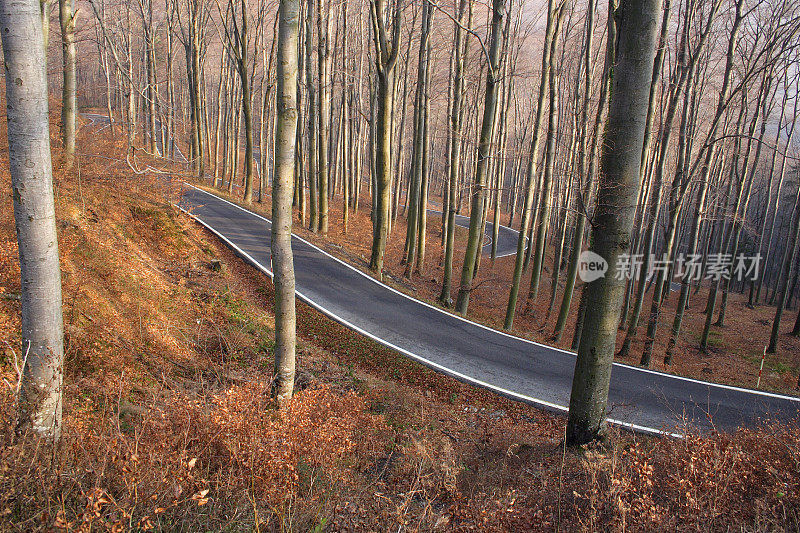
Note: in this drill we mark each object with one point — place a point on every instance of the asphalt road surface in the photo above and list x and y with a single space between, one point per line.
639 399
506 237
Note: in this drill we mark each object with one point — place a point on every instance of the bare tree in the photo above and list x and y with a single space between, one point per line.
386 51
416 199
533 161
238 39
69 102
460 44
34 214
282 186
613 221
478 192
542 224
324 29
588 160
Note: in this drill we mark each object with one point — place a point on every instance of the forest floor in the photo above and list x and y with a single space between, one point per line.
169 425
735 350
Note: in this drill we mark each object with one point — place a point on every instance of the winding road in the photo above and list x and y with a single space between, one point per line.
640 399
506 237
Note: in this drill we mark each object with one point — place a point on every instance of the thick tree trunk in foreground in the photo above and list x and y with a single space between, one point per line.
613 223
282 189
69 109
34 214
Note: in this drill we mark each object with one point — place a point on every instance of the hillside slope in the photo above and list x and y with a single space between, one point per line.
169 423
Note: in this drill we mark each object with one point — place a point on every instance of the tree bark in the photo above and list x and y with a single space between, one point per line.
454 154
282 187
42 346
386 51
530 179
69 102
324 21
613 223
476 220
587 164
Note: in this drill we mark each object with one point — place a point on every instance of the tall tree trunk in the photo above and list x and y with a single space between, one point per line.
454 154
386 51
146 8
131 88
546 191
776 202
533 160
656 194
765 111
324 23
69 102
313 198
42 346
587 162
700 203
476 216
613 223
786 273
282 185
419 150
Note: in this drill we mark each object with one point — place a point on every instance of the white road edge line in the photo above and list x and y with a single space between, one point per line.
624 365
427 362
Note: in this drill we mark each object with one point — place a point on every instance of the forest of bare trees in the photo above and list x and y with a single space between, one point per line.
677 167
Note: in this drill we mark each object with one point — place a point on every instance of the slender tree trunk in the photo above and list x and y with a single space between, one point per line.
587 162
131 91
546 191
776 203
311 101
324 22
787 270
69 109
282 185
454 155
386 51
418 182
169 148
700 203
753 169
476 220
533 160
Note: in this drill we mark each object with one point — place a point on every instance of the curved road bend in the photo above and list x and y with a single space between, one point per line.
506 237
639 399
